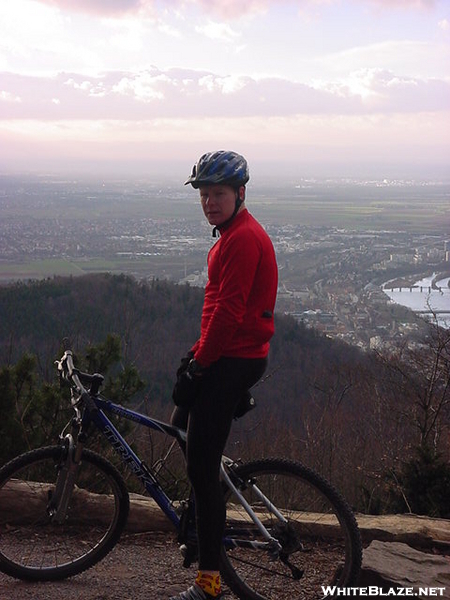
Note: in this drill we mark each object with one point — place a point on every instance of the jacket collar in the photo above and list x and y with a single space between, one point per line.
221 229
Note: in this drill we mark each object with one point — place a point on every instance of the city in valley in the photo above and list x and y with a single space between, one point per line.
338 242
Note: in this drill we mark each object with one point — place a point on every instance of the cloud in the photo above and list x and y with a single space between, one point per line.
406 4
8 97
218 31
225 9
423 59
99 7
232 9
187 94
392 93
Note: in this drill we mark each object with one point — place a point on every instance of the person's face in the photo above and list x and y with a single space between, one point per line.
218 202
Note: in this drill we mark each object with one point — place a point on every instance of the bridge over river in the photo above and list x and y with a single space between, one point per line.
428 296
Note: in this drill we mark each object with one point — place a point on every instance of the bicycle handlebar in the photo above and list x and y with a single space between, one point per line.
70 373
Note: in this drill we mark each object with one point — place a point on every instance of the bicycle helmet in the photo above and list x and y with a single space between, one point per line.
222 166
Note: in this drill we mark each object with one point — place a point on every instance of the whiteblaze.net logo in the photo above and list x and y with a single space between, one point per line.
332 591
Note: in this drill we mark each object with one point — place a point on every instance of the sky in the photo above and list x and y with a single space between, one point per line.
340 87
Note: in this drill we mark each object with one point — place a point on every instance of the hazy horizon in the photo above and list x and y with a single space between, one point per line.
261 172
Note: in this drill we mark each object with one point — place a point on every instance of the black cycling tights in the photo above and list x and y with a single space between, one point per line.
208 424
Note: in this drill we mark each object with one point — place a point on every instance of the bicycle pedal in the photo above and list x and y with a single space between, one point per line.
189 554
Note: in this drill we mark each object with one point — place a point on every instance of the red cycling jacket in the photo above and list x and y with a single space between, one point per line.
237 318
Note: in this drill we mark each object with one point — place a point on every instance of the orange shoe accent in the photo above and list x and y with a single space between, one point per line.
210 582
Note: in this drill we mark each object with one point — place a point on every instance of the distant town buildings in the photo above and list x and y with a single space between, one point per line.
330 277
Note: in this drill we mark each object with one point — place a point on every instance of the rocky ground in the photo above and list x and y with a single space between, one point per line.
148 566
141 567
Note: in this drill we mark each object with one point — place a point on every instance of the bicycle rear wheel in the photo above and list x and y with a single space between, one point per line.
319 536
35 547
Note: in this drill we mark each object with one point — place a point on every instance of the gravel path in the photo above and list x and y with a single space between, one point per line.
141 567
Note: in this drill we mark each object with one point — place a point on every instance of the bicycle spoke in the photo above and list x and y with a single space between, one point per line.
312 525
34 545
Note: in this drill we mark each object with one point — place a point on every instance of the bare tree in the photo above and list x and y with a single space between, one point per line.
422 374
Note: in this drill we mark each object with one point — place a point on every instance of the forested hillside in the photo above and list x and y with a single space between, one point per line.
357 418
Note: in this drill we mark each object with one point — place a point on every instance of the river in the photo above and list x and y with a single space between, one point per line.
423 297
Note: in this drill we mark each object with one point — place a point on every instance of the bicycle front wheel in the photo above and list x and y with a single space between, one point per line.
317 542
33 546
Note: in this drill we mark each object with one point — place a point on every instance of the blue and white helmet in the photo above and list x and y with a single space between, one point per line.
222 166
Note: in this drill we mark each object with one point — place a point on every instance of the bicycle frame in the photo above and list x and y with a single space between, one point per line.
94 409
96 414
126 453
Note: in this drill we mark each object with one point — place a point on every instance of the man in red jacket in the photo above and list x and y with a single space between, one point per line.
231 354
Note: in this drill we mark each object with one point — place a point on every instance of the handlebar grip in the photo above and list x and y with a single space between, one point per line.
69 372
78 377
68 358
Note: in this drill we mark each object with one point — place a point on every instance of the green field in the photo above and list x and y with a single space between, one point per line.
147 268
414 216
37 269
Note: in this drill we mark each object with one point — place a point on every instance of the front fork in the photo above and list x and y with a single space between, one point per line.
68 468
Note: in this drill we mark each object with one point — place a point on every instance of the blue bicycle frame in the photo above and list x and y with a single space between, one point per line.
96 415
94 411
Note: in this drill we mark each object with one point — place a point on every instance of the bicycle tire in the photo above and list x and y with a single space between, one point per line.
35 548
321 540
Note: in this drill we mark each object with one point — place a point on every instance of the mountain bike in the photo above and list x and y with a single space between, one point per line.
288 534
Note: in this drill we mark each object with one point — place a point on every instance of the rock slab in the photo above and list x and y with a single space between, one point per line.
395 564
